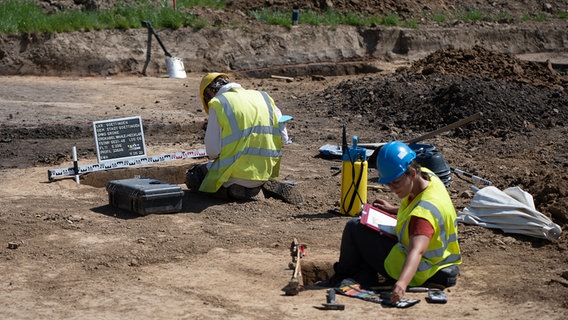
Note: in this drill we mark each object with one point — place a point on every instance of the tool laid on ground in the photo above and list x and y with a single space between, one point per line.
402 303
288 79
376 187
351 288
436 297
297 251
373 157
331 304
409 289
449 127
421 289
117 164
469 175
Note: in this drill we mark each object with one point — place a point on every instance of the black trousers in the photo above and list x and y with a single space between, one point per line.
195 176
362 255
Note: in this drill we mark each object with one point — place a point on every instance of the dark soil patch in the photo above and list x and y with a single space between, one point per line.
513 96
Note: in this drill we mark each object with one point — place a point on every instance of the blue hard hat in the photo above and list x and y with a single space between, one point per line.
393 160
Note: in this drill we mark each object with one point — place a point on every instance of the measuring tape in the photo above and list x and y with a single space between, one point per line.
116 164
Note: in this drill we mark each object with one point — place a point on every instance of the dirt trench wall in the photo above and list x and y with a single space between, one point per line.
124 52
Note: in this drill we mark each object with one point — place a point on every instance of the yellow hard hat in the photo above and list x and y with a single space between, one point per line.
205 82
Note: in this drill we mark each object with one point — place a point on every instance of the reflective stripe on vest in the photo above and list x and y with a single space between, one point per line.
446 240
237 134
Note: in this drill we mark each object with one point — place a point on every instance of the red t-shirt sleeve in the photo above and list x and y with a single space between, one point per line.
420 226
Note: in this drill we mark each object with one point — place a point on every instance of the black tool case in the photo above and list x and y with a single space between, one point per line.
144 196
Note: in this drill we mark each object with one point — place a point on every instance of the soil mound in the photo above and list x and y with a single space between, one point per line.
480 62
514 96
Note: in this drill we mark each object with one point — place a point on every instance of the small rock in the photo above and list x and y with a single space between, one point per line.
499 242
467 194
13 245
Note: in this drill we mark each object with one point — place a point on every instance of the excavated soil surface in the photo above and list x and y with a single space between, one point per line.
67 254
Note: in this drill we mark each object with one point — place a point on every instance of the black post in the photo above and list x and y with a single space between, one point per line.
295 15
148 47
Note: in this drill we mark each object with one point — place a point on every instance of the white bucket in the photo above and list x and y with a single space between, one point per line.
175 68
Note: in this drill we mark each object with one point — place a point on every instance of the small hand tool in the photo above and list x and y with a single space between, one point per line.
331 305
297 251
409 289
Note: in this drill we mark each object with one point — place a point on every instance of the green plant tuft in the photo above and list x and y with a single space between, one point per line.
26 16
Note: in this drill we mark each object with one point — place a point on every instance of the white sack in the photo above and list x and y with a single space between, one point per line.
511 210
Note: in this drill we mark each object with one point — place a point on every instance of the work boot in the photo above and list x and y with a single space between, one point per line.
238 192
283 191
195 176
446 277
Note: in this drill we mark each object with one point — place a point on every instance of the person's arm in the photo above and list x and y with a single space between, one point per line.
418 245
278 112
283 130
385 206
213 136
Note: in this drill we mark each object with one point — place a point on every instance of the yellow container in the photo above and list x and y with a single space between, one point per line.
353 186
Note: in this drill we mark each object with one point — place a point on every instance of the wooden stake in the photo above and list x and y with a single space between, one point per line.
283 78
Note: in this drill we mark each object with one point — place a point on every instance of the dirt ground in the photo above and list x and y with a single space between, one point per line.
66 254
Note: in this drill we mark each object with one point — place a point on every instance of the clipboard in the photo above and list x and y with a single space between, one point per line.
378 220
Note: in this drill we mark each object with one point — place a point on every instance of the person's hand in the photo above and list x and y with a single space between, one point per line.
397 293
385 206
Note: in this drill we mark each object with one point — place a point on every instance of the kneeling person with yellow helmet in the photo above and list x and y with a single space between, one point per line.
425 251
244 139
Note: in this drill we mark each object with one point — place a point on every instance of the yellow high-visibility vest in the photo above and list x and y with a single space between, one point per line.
433 204
251 145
